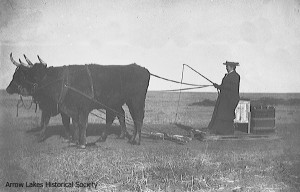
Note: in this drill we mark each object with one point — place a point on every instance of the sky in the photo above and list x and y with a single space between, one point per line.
161 35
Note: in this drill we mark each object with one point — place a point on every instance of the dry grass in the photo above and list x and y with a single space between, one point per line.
165 167
156 165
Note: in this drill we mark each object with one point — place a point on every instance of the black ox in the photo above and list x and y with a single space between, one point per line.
47 105
78 89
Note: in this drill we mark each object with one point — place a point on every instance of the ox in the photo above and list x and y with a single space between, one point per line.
78 89
47 105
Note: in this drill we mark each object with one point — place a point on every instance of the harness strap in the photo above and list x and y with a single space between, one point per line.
66 84
91 80
21 101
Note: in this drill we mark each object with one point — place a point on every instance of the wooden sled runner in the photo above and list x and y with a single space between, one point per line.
238 136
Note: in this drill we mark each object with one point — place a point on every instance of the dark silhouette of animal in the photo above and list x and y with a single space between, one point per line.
47 105
78 89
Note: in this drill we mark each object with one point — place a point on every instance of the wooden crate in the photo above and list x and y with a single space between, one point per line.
262 118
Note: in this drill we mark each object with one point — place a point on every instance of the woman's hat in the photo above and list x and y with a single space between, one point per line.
231 63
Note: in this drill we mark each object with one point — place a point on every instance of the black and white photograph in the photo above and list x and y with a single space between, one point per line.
149 95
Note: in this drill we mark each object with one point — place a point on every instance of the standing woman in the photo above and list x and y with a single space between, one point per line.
224 112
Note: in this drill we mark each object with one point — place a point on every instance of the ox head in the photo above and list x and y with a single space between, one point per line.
26 76
17 84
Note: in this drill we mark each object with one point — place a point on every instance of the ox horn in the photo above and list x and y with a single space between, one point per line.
22 63
13 61
28 61
43 62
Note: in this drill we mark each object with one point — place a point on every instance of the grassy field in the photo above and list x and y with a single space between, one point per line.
155 165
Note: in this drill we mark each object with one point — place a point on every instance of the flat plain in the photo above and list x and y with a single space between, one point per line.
155 165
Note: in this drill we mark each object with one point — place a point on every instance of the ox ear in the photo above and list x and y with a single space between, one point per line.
28 61
43 62
13 61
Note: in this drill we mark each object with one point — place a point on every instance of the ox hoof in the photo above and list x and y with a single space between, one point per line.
81 147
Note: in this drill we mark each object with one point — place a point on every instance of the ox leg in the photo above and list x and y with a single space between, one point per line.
75 123
110 117
133 115
138 124
39 127
137 111
83 121
139 128
140 114
121 117
44 122
75 139
66 124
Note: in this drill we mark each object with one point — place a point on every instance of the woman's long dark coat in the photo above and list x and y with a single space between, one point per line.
224 111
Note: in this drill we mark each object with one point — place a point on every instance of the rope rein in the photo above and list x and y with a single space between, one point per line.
190 88
198 73
170 80
198 87
179 94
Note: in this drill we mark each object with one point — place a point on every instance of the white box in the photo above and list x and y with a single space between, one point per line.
242 112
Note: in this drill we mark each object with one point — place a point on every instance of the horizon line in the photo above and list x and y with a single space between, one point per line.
3 89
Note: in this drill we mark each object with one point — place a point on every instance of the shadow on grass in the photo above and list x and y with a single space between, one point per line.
96 130
92 130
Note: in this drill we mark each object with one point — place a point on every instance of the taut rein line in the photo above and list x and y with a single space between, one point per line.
195 86
190 88
170 80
